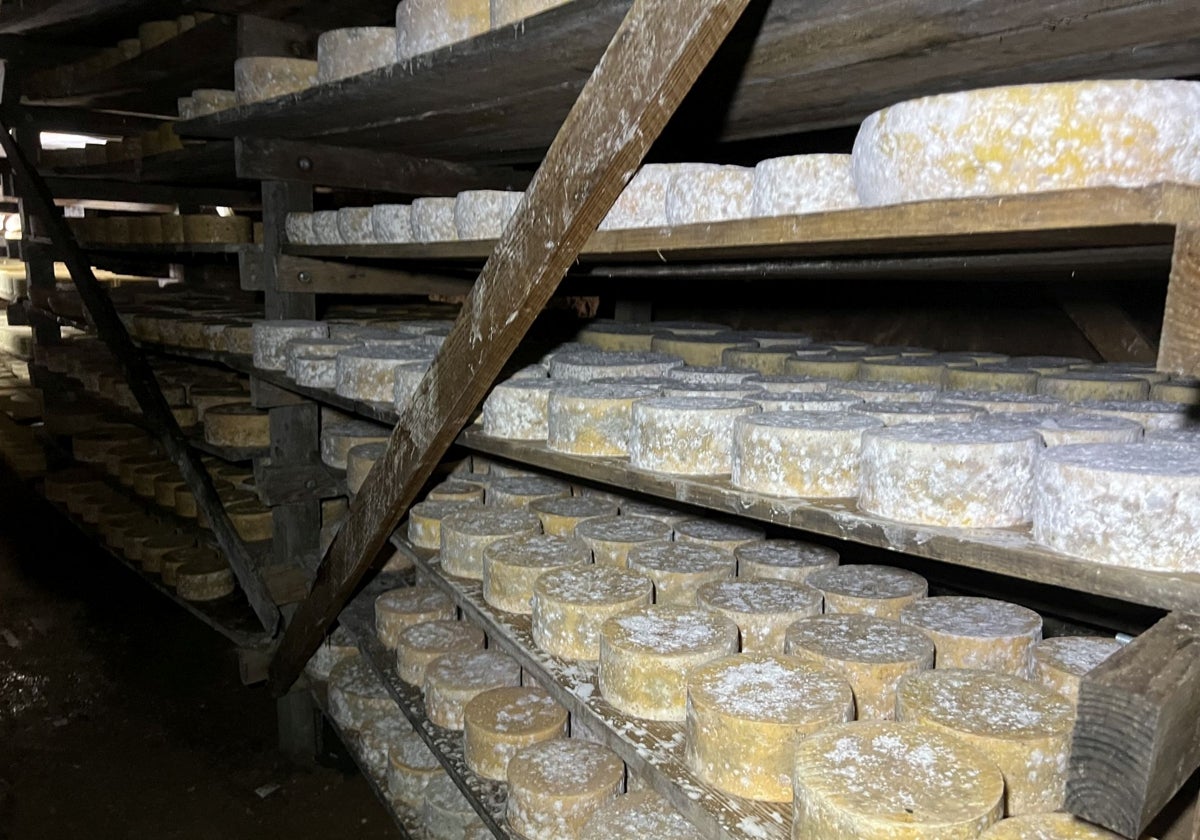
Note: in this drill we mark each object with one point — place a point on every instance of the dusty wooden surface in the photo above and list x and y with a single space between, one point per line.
1179 347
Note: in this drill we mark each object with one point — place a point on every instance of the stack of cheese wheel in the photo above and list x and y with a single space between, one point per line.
792 560
685 436
611 538
979 633
512 566
454 679
411 767
762 609
467 533
592 419
356 694
1061 663
500 722
519 409
639 815
881 591
679 569
421 644
397 609
560 516
571 605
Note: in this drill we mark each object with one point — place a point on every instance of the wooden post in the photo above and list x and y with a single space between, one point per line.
1179 347
652 62
1137 736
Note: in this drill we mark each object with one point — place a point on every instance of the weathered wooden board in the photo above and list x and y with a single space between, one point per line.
208 164
307 275
1179 346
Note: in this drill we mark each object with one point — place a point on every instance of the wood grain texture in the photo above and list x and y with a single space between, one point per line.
652 62
1111 331
1179 347
313 276
1137 735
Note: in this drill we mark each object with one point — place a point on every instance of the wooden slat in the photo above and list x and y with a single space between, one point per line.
302 274
653 60
1110 330
1137 736
204 164
1179 347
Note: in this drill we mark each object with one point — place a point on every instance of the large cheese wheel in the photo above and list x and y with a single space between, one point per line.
647 652
500 722
555 786
335 647
900 413
800 453
792 560
454 679
617 336
587 365
398 609
1062 428
867 589
881 780
679 569
1052 826
685 436
411 767
1076 385
1061 663
518 409
639 815
643 202
1029 138
357 694
593 420
337 440
342 53
1134 505
725 536
699 350
762 609
978 633
270 340
518 492
571 604
205 577
964 475
467 533
1150 415
562 515
511 567
872 653
1021 726
258 78
482 214
744 722
1009 378
369 373
709 194
237 426
445 812
785 186
421 644
426 25
425 521
930 371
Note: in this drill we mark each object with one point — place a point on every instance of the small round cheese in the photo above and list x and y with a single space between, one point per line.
205 577
744 723
786 186
354 225
571 604
398 609
445 812
1061 663
679 569
587 365
335 647
511 567
507 12
420 644
725 536
466 534
483 214
611 538
356 694
617 336
792 560
1152 416
518 409
271 340
376 738
1021 726
685 436
342 53
699 350
1062 428
562 515
423 26
709 194
900 413
1013 379
1185 392
519 492
433 218
1053 826
453 490
1077 385
425 521
454 679
639 815
411 767
643 202
237 426
888 391
499 723
710 374
202 399
800 453
868 590
338 440
978 633
593 420
392 223
1001 401
762 609
825 365
905 369
555 786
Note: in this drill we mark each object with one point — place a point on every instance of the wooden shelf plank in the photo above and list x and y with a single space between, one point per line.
1009 552
209 164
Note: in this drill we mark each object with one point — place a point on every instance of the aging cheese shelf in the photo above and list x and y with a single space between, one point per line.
200 163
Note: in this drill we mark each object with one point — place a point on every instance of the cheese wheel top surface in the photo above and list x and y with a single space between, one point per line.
860 638
592 585
772 688
869 581
962 615
986 703
666 630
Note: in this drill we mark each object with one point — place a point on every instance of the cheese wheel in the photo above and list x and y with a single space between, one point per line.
685 436
762 609
342 53
1152 416
258 78
1021 726
357 694
354 225
699 350
710 374
202 399
466 534
593 420
1002 401
786 186
406 380
639 815
425 521
411 767
483 214
709 194
1183 391
392 223
978 633
517 493
1009 378
872 653
499 723
398 609
1060 663
769 361
505 12
666 515
1077 385
643 202
251 519
338 440
888 391
325 228
617 336
800 453
824 365
454 679
1062 428
725 536
432 219
1052 826
1028 138
511 567
900 413
360 458
270 340
782 559
423 26
445 812
335 647
454 490
212 100
571 604
744 723
1133 505
587 365
555 786
964 475
518 409
728 390
679 569
868 590
921 371
561 515
369 373
612 538
148 548
237 426
298 228
647 652
881 780
420 644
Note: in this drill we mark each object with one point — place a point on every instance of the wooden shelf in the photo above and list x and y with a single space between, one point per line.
1009 552
206 164
503 95
159 250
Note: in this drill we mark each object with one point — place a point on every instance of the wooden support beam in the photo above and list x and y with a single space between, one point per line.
90 189
1137 736
138 374
279 199
304 274
263 159
653 60
1110 330
1179 347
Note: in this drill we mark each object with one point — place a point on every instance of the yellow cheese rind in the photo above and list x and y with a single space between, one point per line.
420 644
978 633
512 566
868 589
454 679
500 722
680 569
466 534
555 786
398 609
783 559
570 605
611 538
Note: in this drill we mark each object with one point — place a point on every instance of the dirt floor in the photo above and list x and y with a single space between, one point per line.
121 716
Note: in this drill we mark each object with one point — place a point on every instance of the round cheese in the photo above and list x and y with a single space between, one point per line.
639 815
1060 663
1001 401
647 652
411 767
519 492
1021 726
617 336
511 567
423 26
611 538
204 578
355 226
1009 378
1053 826
360 458
356 694
699 350
149 548
258 78
342 53
454 679
824 365
768 361
888 391
506 12
1182 391
466 534
452 490
685 436
203 558
762 609
782 559
669 516
868 590
881 780
786 186
929 371
325 228
555 786
587 365
1061 428
369 373
483 214
270 340
679 570
445 812
335 647
899 413
560 516
709 194
571 604
398 609
710 374
643 202
237 426
744 723
420 644
299 229
978 633
337 440
251 519
499 723
1150 415
518 409
432 219
1078 385
202 399
593 420
425 521
392 223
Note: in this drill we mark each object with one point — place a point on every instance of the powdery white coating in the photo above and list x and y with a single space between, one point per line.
784 186
647 652
711 375
445 812
725 536
299 228
411 767
881 591
586 365
425 520
259 78
999 377
355 226
421 644
643 202
685 435
454 679
337 646
518 409
639 815
466 534
1054 826
771 402
502 721
880 780
591 419
483 214
314 371
762 609
561 516
1001 401
1060 663
1030 138
516 493
724 390
398 609
964 475
782 559
555 786
270 340
888 391
1077 385
342 53
325 228
699 350
356 694
571 604
711 194
392 223
899 413
511 567
1059 428
369 373
978 633
611 538
872 653
426 25
505 12
432 219
376 738
679 569
799 453
1150 415
1132 505
337 441
1021 726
